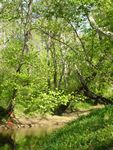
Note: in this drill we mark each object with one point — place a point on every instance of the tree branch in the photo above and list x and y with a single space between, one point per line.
53 37
82 45
100 30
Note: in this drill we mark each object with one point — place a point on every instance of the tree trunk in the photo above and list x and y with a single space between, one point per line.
61 77
48 47
25 48
61 109
88 93
55 67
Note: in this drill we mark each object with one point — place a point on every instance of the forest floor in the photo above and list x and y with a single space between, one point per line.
48 121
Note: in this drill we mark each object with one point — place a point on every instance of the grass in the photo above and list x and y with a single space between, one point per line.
91 132
82 106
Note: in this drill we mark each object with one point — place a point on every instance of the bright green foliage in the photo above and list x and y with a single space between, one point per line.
46 102
94 131
44 43
55 53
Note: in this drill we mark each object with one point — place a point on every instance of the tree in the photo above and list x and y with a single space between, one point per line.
51 47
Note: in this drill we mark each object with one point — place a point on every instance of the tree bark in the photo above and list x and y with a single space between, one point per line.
61 109
55 67
90 94
48 47
100 30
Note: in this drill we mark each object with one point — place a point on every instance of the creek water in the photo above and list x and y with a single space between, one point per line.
24 138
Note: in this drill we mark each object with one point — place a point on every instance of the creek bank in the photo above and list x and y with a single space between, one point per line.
47 121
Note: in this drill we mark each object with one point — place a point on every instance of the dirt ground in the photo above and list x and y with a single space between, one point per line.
47 121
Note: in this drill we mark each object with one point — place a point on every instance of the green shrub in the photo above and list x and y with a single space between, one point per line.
47 102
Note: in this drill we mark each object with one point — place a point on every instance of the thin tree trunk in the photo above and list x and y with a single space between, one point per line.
48 47
63 67
61 77
55 67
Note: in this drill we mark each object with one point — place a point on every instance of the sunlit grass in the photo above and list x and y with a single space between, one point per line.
92 132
